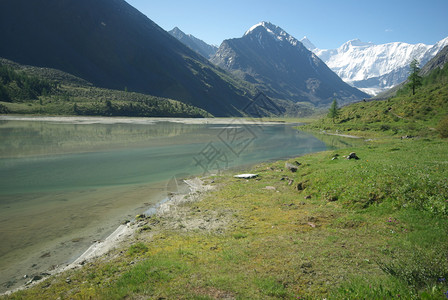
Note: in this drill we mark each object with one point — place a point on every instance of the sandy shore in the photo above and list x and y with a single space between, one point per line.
127 120
341 135
124 232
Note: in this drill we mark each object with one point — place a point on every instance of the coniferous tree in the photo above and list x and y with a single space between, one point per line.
333 111
415 80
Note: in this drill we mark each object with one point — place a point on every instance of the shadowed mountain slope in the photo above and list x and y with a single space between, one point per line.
111 44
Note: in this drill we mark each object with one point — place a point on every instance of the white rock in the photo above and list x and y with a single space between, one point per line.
246 176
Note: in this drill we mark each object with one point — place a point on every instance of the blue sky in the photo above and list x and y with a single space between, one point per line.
327 23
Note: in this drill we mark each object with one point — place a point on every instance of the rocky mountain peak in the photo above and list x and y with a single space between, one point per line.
274 32
194 43
307 43
355 43
280 66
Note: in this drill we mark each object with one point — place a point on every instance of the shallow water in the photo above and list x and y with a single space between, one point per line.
65 183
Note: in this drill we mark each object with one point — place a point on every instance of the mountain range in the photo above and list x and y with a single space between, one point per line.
112 45
280 66
194 43
374 68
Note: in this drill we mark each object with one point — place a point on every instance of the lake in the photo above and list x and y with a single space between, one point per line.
66 182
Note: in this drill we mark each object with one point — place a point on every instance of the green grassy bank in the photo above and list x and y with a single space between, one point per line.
372 228
422 114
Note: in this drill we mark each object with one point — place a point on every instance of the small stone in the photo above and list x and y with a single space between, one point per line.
68 280
34 278
332 198
352 156
300 186
306 265
246 176
311 224
48 254
290 182
291 167
272 188
307 197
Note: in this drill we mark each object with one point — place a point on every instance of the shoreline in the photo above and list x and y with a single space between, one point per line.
341 135
137 120
123 232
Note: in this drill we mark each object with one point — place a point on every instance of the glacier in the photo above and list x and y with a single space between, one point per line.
374 68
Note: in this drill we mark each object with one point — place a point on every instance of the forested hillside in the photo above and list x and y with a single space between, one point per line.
30 90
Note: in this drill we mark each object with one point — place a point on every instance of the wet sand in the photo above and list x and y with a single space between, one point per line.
52 235
190 190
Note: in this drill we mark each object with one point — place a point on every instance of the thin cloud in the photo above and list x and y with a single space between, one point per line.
388 30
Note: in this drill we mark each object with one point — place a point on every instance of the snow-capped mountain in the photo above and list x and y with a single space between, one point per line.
375 68
279 65
439 61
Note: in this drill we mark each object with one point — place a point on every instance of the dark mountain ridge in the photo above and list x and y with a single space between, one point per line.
282 67
111 44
